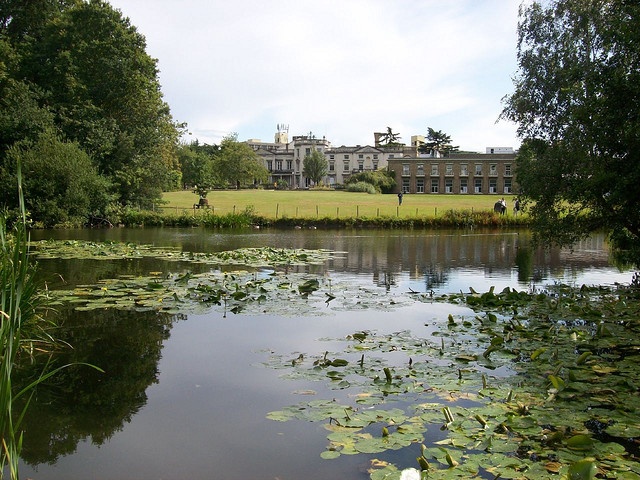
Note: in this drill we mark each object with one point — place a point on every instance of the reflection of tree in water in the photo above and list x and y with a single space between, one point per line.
435 276
385 279
80 402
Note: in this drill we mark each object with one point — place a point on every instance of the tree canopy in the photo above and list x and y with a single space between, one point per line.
238 164
80 69
389 138
576 104
315 166
438 143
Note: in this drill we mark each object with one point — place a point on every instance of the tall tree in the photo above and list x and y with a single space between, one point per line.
390 138
315 166
102 87
238 164
438 143
576 103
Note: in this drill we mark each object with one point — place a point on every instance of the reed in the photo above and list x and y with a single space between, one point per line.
22 331
19 301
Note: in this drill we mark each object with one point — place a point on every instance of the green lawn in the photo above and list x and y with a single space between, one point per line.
330 203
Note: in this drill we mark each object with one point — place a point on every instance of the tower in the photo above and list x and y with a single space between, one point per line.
282 135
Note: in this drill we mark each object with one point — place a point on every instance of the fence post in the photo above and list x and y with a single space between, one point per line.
357 211
337 212
378 212
436 214
277 208
296 211
317 211
234 209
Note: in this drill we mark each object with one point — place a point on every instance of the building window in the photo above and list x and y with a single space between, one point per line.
507 169
346 167
507 185
375 165
493 169
434 169
289 165
448 169
307 151
448 185
478 185
332 167
360 155
360 166
405 169
270 165
278 164
420 185
391 155
346 157
464 172
478 169
434 185
375 156
493 185
463 185
405 185
420 169
332 157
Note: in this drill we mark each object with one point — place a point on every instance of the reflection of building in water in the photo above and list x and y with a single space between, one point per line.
431 255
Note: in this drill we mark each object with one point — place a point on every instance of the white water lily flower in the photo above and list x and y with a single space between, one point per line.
410 474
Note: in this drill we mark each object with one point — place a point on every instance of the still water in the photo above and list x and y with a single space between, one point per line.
185 396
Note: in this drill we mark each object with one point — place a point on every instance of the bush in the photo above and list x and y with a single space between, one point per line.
382 181
61 184
363 187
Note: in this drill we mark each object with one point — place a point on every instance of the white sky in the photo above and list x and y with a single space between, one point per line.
337 68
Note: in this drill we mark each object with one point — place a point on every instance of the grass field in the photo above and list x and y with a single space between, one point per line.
330 203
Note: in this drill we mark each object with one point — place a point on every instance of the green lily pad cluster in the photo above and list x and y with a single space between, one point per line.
535 385
254 281
254 257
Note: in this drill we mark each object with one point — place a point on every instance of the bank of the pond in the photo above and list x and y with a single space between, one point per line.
448 219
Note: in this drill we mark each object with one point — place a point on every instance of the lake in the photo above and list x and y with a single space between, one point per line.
186 395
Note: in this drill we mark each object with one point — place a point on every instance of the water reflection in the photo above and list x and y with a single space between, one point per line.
82 403
197 395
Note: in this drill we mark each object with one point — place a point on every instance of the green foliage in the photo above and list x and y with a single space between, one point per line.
197 167
438 143
315 166
383 181
361 187
238 164
390 138
60 182
81 69
575 102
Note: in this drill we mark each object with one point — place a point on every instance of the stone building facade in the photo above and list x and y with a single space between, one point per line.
472 173
458 173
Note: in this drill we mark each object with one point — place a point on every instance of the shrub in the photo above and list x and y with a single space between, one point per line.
361 187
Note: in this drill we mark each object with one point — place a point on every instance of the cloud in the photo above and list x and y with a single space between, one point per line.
339 69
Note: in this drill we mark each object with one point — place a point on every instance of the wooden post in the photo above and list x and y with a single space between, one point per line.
357 211
277 208
317 211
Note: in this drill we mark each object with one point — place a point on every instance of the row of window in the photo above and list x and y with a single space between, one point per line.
279 165
360 156
463 186
464 170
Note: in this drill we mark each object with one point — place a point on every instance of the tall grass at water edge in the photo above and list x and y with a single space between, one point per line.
22 331
19 302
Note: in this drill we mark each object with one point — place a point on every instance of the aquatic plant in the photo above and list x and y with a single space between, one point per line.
565 400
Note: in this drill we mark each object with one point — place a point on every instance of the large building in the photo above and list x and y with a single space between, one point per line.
490 173
470 173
